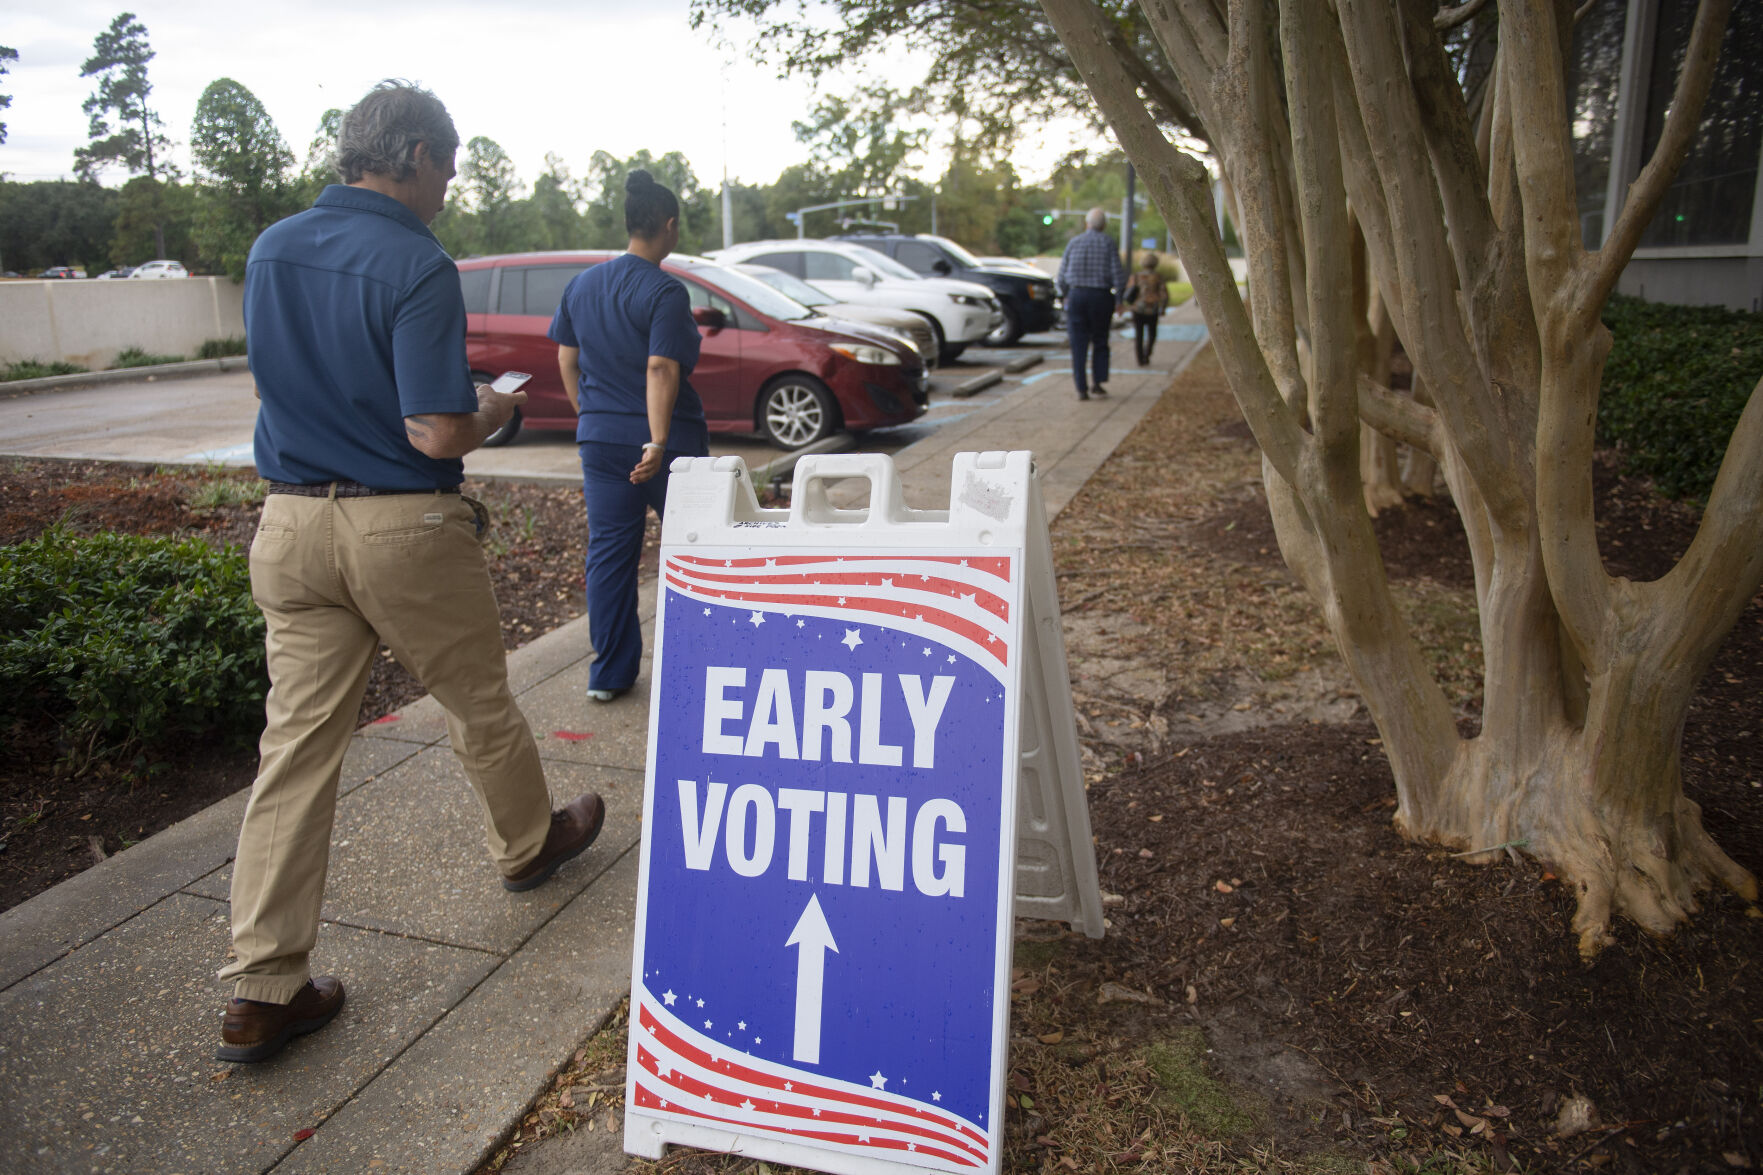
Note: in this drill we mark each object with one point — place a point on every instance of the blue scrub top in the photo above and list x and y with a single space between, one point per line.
353 321
619 313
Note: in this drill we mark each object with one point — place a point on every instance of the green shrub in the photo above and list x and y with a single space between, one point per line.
221 348
1674 385
126 641
34 369
135 357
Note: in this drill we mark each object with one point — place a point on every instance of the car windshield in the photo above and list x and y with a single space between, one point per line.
753 292
787 283
882 263
961 255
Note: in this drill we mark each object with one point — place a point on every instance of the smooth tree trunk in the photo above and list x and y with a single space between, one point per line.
1357 165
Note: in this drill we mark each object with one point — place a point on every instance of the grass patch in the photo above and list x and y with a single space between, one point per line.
217 489
1180 292
135 357
36 369
1178 1064
221 348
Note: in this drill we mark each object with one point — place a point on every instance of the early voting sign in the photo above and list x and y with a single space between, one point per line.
824 912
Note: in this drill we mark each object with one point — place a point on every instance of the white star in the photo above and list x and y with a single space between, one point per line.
649 1028
771 562
967 597
758 1040
925 578
964 563
662 1069
756 619
669 997
877 1081
747 1105
991 638
863 1138
887 583
664 1103
841 599
935 1096
706 611
817 1111
853 637
789 1085
801 624
700 1003
728 562
742 1025
706 1023
920 616
951 658
927 650
912 1146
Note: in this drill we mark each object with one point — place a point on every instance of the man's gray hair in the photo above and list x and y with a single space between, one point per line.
1097 218
380 134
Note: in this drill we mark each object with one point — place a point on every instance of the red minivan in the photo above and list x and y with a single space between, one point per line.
768 363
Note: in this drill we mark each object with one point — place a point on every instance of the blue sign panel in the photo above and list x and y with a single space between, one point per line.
827 839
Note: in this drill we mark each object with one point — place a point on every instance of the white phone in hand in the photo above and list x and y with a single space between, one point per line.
510 381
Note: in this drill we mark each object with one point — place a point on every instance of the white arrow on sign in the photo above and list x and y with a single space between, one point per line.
815 938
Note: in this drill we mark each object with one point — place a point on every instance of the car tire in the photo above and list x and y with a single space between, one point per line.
510 429
796 410
949 353
1006 332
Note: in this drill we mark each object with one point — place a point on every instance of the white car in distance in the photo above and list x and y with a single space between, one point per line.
159 269
959 312
916 330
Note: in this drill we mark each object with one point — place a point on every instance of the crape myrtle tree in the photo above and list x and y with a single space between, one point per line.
242 173
1356 163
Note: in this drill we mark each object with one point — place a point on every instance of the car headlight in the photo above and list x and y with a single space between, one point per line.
967 300
864 353
1040 293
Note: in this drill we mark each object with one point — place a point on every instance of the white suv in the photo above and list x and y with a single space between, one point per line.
959 312
160 269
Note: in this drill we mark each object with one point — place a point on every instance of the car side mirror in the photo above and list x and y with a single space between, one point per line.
709 317
866 277
942 268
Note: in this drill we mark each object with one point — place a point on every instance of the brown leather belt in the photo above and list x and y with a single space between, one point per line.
344 489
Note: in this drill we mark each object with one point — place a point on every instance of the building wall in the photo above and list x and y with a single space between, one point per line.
1733 282
90 322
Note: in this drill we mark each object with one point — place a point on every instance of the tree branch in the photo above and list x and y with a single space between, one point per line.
1681 123
1449 18
1180 186
1399 417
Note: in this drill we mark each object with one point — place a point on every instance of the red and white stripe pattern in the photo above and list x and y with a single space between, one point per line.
681 1072
963 601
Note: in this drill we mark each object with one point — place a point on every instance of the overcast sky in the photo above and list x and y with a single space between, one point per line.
571 76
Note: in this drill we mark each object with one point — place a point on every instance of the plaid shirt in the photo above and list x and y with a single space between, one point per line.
1090 260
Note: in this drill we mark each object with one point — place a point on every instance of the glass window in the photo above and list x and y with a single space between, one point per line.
1593 73
963 257
753 292
544 287
920 257
512 298
1710 201
475 285
822 267
786 284
790 263
883 264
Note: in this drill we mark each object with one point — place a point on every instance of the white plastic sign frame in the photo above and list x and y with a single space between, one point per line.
821 963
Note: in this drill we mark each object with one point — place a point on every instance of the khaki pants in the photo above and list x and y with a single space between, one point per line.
334 577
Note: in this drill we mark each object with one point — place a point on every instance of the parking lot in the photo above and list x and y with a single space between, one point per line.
208 419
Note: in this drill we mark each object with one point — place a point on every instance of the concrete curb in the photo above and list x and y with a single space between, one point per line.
785 466
977 384
117 375
1023 363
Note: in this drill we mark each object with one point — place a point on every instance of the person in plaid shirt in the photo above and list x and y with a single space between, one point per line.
1090 280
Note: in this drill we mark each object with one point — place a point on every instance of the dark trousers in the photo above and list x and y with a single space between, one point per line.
617 514
1088 313
1144 336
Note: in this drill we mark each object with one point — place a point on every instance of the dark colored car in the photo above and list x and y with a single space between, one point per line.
767 363
1027 300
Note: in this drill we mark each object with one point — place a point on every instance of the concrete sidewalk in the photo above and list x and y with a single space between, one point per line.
463 999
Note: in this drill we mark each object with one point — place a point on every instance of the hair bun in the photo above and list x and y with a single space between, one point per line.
638 180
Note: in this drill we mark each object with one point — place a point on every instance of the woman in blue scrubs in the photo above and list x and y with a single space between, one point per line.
626 346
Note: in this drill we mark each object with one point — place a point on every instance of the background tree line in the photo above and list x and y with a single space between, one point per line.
245 177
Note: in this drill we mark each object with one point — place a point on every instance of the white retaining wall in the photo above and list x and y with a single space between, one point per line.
88 322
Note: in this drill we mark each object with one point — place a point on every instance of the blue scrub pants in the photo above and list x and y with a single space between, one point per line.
1089 312
617 514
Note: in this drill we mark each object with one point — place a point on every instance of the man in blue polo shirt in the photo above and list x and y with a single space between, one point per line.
356 331
1090 280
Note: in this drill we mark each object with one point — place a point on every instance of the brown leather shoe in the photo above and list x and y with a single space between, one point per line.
255 1031
573 828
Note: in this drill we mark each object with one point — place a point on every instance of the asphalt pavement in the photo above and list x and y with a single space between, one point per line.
463 999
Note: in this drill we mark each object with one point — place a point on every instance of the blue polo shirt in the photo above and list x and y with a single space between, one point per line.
353 321
620 312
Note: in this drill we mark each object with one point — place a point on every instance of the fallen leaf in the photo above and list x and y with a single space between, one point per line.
574 736
567 1100
1146 853
1158 819
222 1075
1112 993
383 721
1227 923
304 1133
1053 1037
1223 886
1735 1159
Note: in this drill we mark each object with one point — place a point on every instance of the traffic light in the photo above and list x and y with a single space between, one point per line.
1047 218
